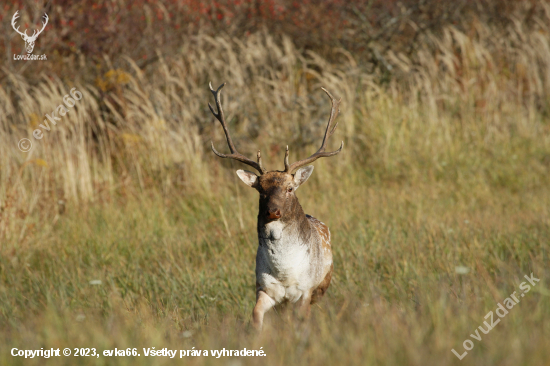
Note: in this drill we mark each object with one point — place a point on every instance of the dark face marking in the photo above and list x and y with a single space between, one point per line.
277 198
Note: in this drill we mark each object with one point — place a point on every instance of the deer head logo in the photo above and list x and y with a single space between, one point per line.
29 41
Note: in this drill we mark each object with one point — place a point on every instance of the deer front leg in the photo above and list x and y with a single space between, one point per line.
263 304
304 305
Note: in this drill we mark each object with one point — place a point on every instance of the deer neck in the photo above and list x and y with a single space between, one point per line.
292 227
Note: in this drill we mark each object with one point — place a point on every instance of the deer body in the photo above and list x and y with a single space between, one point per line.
294 257
285 270
289 268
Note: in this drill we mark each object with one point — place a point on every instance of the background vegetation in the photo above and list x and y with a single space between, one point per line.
122 229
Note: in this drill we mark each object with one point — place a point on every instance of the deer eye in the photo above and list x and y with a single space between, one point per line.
289 190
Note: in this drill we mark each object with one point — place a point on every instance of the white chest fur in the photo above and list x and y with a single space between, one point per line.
283 263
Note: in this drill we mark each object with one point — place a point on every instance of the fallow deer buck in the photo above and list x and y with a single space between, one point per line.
294 258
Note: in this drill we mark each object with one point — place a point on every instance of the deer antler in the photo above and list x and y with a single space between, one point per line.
35 34
234 153
15 16
289 168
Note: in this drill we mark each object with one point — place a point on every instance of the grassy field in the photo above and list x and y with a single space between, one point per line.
121 229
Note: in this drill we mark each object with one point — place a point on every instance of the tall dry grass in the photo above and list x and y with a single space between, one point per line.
134 129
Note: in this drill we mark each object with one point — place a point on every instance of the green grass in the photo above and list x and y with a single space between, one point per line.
169 264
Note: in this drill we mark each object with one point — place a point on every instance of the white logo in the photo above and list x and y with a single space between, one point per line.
25 145
29 41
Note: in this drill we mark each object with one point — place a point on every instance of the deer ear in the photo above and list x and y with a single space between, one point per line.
247 177
302 175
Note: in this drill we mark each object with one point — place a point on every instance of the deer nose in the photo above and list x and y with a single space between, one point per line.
274 215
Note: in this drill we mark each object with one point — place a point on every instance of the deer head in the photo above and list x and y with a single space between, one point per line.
277 188
29 41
